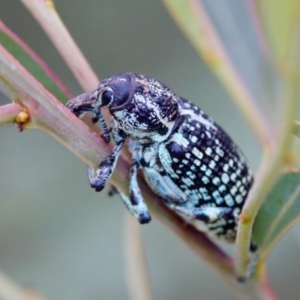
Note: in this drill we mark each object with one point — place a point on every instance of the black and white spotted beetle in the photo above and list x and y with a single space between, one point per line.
187 159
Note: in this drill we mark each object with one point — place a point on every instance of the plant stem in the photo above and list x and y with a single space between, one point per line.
8 113
137 274
36 58
46 15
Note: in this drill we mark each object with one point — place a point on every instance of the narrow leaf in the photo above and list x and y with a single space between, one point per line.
296 129
46 15
279 212
35 66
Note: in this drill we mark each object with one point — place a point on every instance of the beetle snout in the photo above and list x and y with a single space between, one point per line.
82 103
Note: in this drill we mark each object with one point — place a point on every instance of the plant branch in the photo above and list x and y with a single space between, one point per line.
46 15
9 113
35 58
137 274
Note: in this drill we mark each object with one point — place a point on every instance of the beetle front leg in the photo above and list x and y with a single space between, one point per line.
99 176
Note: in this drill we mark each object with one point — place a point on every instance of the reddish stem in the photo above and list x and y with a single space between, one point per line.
36 58
8 113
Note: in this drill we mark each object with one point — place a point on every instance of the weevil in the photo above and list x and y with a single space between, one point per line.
186 157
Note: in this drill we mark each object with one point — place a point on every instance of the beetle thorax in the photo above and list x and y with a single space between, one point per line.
144 120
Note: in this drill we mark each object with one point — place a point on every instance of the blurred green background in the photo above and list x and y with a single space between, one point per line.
59 236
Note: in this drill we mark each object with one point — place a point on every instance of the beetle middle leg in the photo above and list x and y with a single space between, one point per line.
135 202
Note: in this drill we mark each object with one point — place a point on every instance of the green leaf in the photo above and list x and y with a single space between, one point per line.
279 212
19 50
296 129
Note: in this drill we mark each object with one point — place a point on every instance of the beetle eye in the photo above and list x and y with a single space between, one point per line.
106 98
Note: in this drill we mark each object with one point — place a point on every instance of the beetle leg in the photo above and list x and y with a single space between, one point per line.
205 214
253 263
139 211
135 202
99 176
136 198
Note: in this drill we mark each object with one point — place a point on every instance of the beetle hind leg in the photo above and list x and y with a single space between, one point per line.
208 214
253 263
139 211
